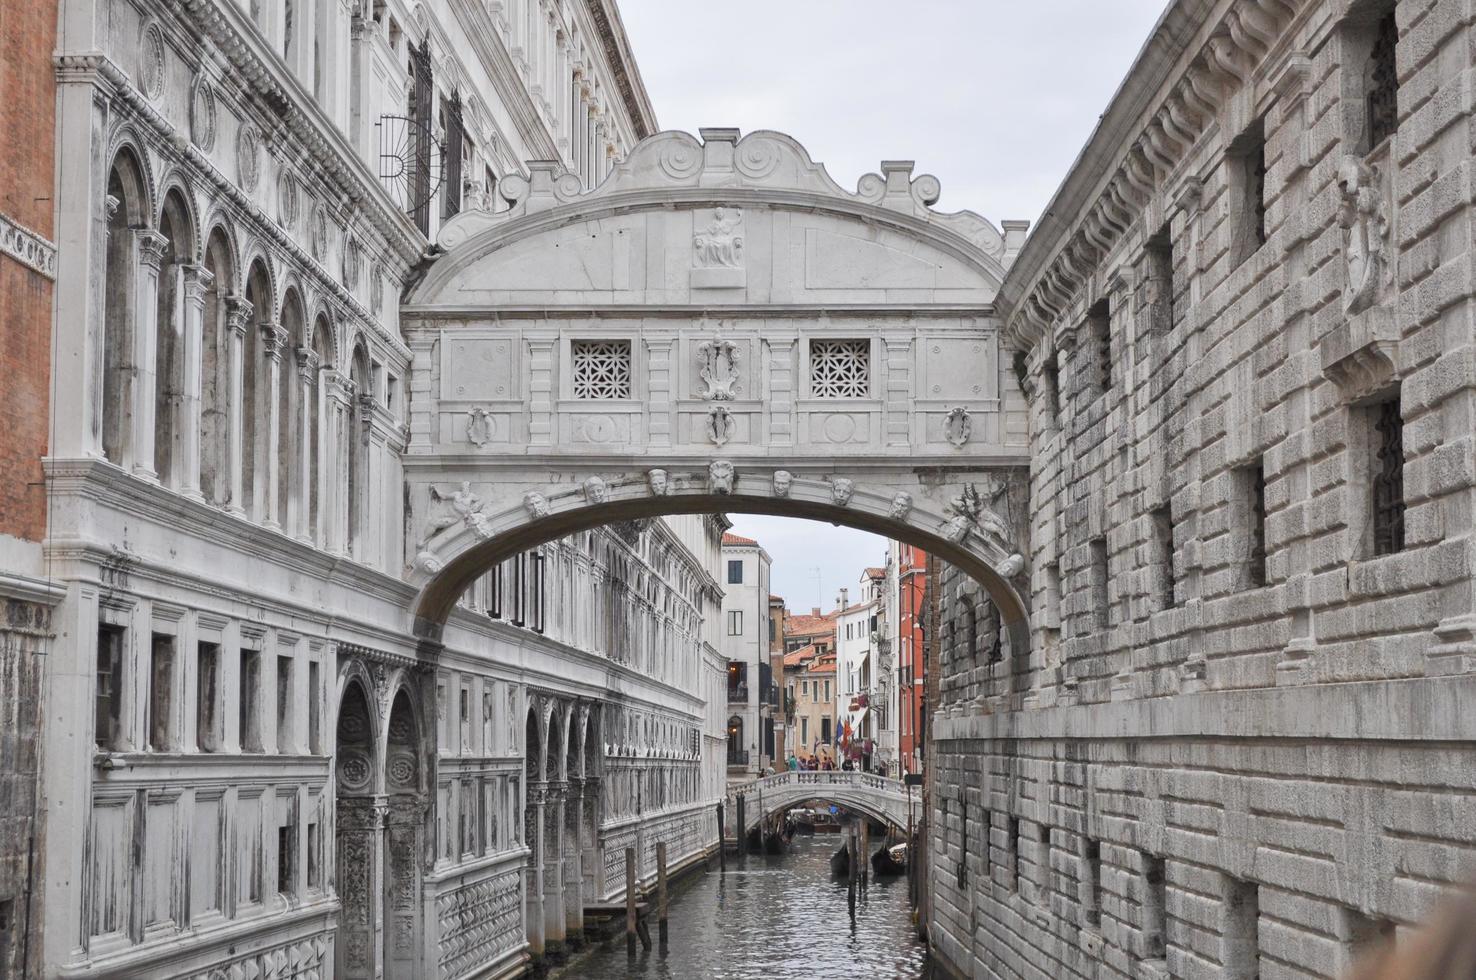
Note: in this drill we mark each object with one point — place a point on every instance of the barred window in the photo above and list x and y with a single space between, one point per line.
601 369
1099 322
1255 484
1163 546
840 368
1382 104
1388 478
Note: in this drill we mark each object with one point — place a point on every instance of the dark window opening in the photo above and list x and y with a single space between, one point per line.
735 571
314 842
1242 930
1388 480
207 697
1248 198
108 700
1155 905
249 722
161 692
1013 827
1255 483
1163 550
284 705
1382 102
315 712
284 860
1160 298
1101 611
1099 325
1091 869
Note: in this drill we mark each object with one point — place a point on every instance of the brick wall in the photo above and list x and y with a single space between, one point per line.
1206 767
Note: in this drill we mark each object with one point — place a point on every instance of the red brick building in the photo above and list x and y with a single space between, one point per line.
912 590
27 275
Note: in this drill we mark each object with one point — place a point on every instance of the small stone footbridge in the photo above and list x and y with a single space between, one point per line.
877 797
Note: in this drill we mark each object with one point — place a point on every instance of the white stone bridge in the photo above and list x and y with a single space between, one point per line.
876 796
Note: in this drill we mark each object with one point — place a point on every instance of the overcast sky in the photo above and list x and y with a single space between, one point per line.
993 97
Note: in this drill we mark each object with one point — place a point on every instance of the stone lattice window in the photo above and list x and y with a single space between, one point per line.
840 368
601 369
1382 104
1388 479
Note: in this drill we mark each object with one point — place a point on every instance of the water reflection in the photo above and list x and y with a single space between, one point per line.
771 917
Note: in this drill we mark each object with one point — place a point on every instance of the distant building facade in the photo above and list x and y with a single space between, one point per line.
753 697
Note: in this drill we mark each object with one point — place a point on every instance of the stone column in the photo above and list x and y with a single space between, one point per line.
553 863
273 341
150 251
333 480
360 885
238 316
574 895
533 834
197 280
308 364
591 865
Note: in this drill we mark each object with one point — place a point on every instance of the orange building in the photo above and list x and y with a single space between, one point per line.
912 593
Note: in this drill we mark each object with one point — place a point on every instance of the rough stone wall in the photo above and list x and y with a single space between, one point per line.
1200 773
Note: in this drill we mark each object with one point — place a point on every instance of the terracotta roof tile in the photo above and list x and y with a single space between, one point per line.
737 539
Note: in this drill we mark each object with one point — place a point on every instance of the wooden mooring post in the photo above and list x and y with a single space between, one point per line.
661 893
630 902
851 878
865 860
742 830
722 841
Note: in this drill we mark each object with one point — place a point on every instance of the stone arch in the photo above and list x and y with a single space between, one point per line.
175 194
466 545
219 261
126 218
176 227
316 357
357 824
358 457
292 412
261 305
405 776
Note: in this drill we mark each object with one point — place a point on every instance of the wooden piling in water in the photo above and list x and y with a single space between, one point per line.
630 902
722 841
851 878
661 893
865 861
742 830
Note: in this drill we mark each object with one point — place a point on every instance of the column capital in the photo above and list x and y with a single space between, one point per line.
273 338
238 314
197 281
151 246
340 386
308 364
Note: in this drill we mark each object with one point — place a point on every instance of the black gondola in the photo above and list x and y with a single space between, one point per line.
890 861
840 862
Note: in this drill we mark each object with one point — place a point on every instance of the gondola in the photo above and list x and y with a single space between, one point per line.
840 862
890 861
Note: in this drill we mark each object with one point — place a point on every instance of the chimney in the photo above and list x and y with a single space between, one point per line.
845 597
815 611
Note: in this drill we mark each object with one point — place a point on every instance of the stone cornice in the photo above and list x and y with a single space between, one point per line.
486 40
623 67
1200 54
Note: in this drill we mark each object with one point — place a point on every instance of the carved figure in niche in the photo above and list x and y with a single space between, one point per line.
719 425
720 476
1011 566
1365 232
719 370
958 427
720 245
479 427
783 479
535 503
659 482
841 491
901 506
596 491
458 506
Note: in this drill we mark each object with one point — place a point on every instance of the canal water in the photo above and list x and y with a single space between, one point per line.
771 917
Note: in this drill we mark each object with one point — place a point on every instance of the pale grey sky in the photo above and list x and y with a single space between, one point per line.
993 97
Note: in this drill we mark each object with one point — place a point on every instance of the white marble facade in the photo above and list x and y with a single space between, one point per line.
247 749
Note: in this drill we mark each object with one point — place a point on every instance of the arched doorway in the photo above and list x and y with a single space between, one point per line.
359 819
404 841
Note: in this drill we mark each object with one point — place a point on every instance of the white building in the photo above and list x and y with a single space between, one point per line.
249 759
752 689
